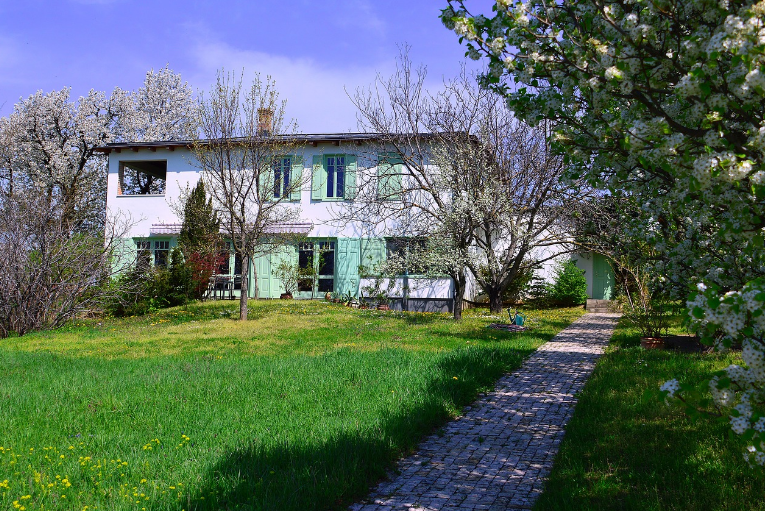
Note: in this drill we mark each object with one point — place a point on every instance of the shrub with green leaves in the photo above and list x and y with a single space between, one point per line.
147 290
570 286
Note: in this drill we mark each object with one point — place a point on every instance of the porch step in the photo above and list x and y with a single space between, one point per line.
598 306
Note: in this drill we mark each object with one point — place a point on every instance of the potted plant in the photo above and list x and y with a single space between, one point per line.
348 299
375 291
382 301
651 319
289 274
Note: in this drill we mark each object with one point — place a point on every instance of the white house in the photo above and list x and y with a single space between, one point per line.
145 178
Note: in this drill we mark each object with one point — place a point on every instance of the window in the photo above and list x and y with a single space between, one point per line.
305 262
282 168
161 251
142 177
335 166
237 271
317 264
224 268
334 177
407 249
326 256
143 256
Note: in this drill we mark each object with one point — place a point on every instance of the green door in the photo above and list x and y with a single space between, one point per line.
263 267
602 278
347 267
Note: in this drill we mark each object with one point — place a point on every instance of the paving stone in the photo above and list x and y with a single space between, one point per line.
522 423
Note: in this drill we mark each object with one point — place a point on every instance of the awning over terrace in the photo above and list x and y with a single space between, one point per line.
292 228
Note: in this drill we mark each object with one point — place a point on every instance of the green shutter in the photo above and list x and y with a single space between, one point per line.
124 253
266 183
286 253
347 266
297 178
318 179
372 252
389 182
350 176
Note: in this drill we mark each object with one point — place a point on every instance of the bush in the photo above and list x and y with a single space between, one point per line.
146 290
570 286
519 287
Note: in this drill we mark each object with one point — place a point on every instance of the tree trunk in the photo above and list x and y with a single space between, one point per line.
459 292
495 301
245 287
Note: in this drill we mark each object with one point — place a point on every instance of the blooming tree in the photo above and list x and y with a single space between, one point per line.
50 150
662 100
49 140
55 239
161 109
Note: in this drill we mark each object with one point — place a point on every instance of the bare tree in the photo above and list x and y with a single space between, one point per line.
47 274
460 172
248 158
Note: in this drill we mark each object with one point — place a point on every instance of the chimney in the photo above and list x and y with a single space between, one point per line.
265 121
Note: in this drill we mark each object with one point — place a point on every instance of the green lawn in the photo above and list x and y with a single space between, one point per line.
626 450
302 407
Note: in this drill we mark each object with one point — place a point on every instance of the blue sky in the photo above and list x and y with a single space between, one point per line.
315 50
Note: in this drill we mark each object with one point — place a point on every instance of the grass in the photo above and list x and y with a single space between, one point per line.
625 449
303 407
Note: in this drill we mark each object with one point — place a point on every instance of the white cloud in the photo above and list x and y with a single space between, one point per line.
315 92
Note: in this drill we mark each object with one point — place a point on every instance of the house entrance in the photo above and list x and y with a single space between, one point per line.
602 278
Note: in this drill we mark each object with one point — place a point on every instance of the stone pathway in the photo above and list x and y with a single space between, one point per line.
498 454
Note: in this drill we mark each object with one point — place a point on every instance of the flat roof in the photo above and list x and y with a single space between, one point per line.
312 139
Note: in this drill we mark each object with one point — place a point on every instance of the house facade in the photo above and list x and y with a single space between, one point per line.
146 180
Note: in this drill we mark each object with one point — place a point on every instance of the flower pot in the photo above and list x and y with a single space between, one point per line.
285 296
328 297
652 343
383 307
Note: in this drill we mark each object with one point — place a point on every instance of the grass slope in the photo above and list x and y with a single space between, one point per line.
303 407
628 451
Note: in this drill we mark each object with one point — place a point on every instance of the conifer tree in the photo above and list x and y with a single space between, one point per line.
201 227
200 238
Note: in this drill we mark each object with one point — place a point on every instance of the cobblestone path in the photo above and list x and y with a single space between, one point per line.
498 454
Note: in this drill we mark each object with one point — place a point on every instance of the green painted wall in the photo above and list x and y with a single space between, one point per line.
350 253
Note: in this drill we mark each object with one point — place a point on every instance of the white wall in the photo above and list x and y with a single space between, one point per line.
181 171
144 211
141 210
